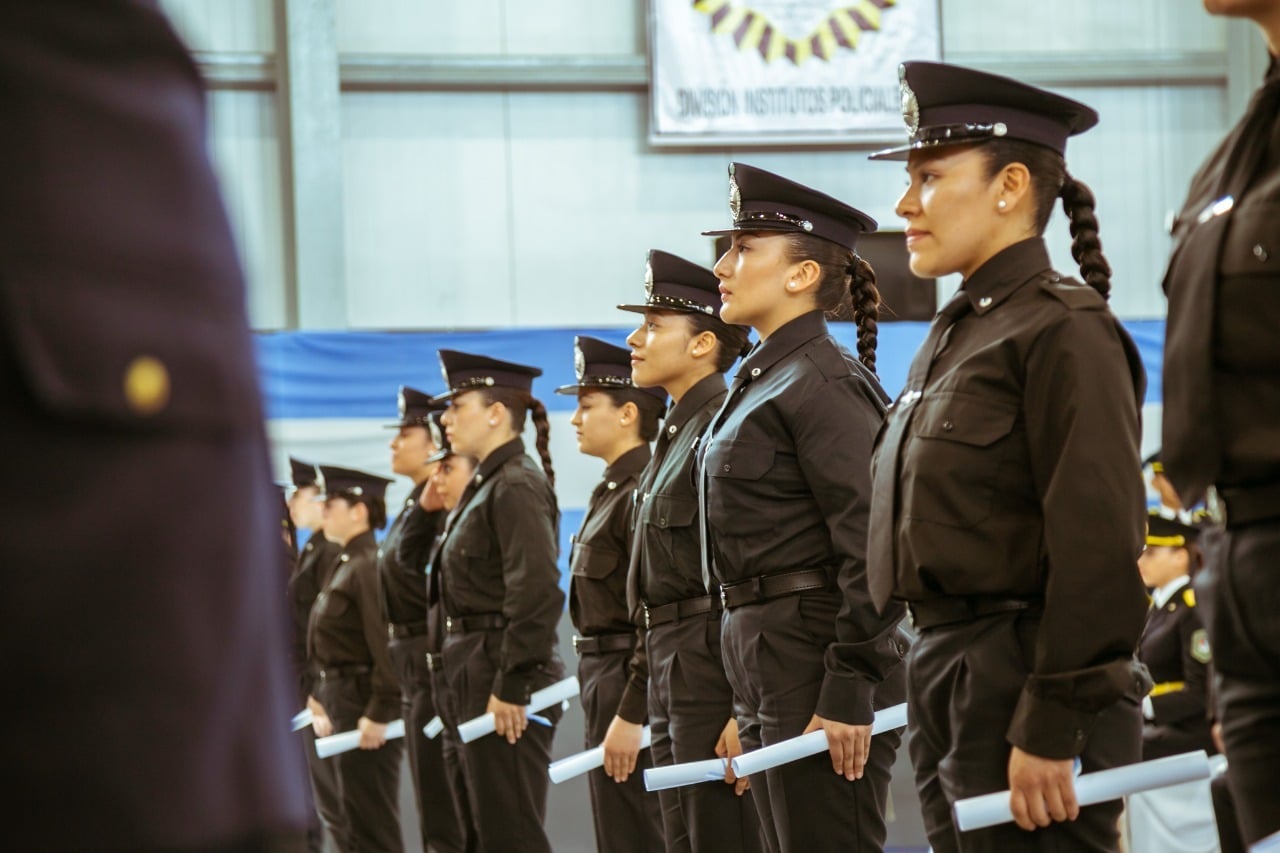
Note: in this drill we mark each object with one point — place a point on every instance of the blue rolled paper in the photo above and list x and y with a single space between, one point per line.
585 762
347 741
793 749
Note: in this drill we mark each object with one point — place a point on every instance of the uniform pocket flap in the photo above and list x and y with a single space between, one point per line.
475 544
1252 244
969 420
103 351
739 460
594 561
671 511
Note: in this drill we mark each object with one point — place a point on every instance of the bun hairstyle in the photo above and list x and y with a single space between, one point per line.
731 341
651 408
846 290
518 404
1050 182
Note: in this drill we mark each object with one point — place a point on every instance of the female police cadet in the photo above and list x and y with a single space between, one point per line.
684 348
615 421
786 473
1006 508
402 557
357 688
500 598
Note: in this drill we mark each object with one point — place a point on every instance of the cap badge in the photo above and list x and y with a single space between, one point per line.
648 281
579 362
437 437
400 404
444 371
735 198
999 129
910 106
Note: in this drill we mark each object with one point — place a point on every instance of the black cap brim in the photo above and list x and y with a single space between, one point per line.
568 389
752 228
439 456
670 309
903 152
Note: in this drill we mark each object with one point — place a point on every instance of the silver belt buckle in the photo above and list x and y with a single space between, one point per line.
1215 506
646 616
724 599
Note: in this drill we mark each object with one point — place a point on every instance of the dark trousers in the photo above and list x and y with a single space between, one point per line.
1240 593
773 653
964 681
505 785
437 816
326 792
1224 814
369 778
690 703
626 817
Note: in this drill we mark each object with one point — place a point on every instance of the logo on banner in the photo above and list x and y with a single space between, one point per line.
795 29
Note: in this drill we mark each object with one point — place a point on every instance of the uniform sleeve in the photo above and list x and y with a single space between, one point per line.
1083 433
638 666
384 702
634 704
1189 703
532 600
833 433
416 537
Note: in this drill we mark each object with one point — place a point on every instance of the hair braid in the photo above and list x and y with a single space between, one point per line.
866 308
1086 248
543 440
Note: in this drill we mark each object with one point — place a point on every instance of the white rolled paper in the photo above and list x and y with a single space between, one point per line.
541 700
585 762
302 719
1092 788
347 741
433 728
1269 844
793 749
689 773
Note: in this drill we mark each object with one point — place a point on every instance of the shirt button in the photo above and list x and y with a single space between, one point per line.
662 522
948 426
984 301
146 385
755 371
671 430
1259 252
727 468
612 485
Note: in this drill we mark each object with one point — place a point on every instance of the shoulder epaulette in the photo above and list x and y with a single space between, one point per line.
1072 293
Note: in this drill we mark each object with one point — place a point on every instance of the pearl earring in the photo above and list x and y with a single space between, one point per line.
1001 204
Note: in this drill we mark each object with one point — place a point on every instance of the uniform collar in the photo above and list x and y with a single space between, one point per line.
499 457
1161 596
416 492
694 399
784 341
1005 272
628 465
364 541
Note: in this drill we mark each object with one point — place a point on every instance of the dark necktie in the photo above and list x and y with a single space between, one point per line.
882 531
1192 451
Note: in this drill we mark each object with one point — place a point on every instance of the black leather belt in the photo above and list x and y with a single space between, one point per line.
1236 507
435 662
677 610
603 644
947 611
477 622
329 673
408 629
768 587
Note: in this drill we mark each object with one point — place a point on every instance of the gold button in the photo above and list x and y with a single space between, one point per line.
146 385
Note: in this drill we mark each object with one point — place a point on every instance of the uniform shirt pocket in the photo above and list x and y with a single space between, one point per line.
594 561
1248 298
952 466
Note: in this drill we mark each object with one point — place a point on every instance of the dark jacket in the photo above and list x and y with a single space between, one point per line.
599 560
316 562
402 562
787 461
1016 477
666 559
1175 648
347 628
497 555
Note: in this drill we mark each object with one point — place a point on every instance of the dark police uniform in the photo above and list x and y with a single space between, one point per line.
679 663
1175 649
785 466
1007 508
402 559
1222 432
500 601
143 626
312 571
347 639
626 817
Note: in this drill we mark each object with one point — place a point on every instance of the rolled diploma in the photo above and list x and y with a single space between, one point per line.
584 762
689 773
542 699
347 741
302 719
793 749
433 728
1092 788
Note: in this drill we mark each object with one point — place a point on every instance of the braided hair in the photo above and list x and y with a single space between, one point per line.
518 404
846 290
1050 182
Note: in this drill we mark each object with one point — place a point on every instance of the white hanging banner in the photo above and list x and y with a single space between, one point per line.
783 71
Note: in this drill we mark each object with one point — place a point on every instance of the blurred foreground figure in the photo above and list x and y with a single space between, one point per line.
148 690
